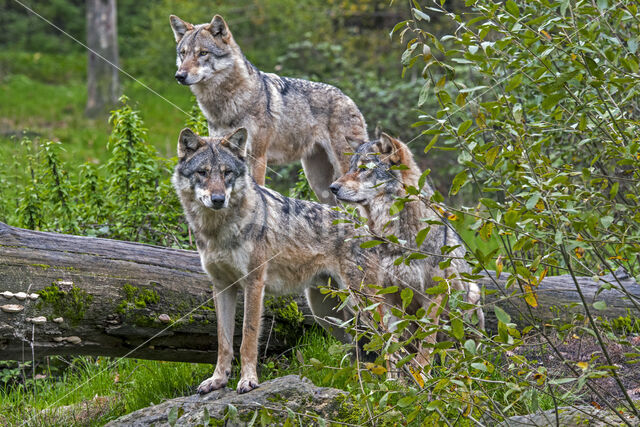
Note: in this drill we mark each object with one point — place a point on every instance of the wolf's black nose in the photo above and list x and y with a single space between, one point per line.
335 187
217 200
181 76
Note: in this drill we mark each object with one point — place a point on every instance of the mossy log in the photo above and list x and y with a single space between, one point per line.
63 294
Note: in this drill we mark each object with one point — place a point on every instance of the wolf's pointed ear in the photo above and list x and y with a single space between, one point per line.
354 143
236 142
219 28
188 143
179 27
391 150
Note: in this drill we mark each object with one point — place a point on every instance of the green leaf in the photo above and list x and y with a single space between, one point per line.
464 126
387 290
420 15
606 221
424 94
431 144
173 416
422 234
406 401
600 305
552 100
501 315
370 244
423 178
459 180
514 82
512 8
533 200
457 328
407 296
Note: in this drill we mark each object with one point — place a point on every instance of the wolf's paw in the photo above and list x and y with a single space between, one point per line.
210 384
247 384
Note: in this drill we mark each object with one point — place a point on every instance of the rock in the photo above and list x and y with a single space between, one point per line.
569 416
164 318
290 392
7 294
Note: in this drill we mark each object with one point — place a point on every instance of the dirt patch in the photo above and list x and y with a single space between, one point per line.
581 356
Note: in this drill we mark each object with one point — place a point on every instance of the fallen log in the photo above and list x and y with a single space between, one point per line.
64 294
556 297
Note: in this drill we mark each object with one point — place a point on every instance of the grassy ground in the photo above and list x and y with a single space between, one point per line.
54 108
92 391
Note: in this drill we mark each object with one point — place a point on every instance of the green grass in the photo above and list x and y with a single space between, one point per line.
54 108
126 385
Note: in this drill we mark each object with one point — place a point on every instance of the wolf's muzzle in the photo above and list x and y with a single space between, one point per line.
217 201
181 77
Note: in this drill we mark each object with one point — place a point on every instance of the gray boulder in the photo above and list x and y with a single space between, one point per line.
569 416
280 398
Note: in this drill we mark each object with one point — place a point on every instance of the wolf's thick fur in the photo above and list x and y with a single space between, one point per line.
373 186
287 119
239 226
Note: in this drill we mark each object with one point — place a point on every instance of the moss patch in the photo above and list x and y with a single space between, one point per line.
289 318
71 305
135 297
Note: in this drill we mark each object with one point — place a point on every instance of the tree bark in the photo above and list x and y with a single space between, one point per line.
103 88
113 298
106 297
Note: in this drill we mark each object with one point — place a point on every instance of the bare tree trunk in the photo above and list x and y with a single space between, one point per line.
103 88
82 295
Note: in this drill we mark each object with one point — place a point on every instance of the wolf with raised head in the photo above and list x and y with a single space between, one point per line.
253 238
287 119
373 185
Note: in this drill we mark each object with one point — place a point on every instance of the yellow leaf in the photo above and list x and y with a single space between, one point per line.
546 34
543 275
575 337
417 375
375 368
530 297
583 365
579 252
573 56
499 266
540 205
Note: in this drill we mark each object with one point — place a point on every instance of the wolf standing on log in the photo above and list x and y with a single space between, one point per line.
286 118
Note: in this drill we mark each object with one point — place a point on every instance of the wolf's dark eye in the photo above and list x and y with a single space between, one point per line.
202 173
203 53
227 173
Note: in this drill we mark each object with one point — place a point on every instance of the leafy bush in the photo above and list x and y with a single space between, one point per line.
129 197
540 101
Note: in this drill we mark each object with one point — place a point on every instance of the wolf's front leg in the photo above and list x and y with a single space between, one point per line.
253 296
225 302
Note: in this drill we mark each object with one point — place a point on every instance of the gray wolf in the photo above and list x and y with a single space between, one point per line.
239 226
373 184
287 119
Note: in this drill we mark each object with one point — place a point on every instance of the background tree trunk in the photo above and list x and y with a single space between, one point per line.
103 88
82 295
